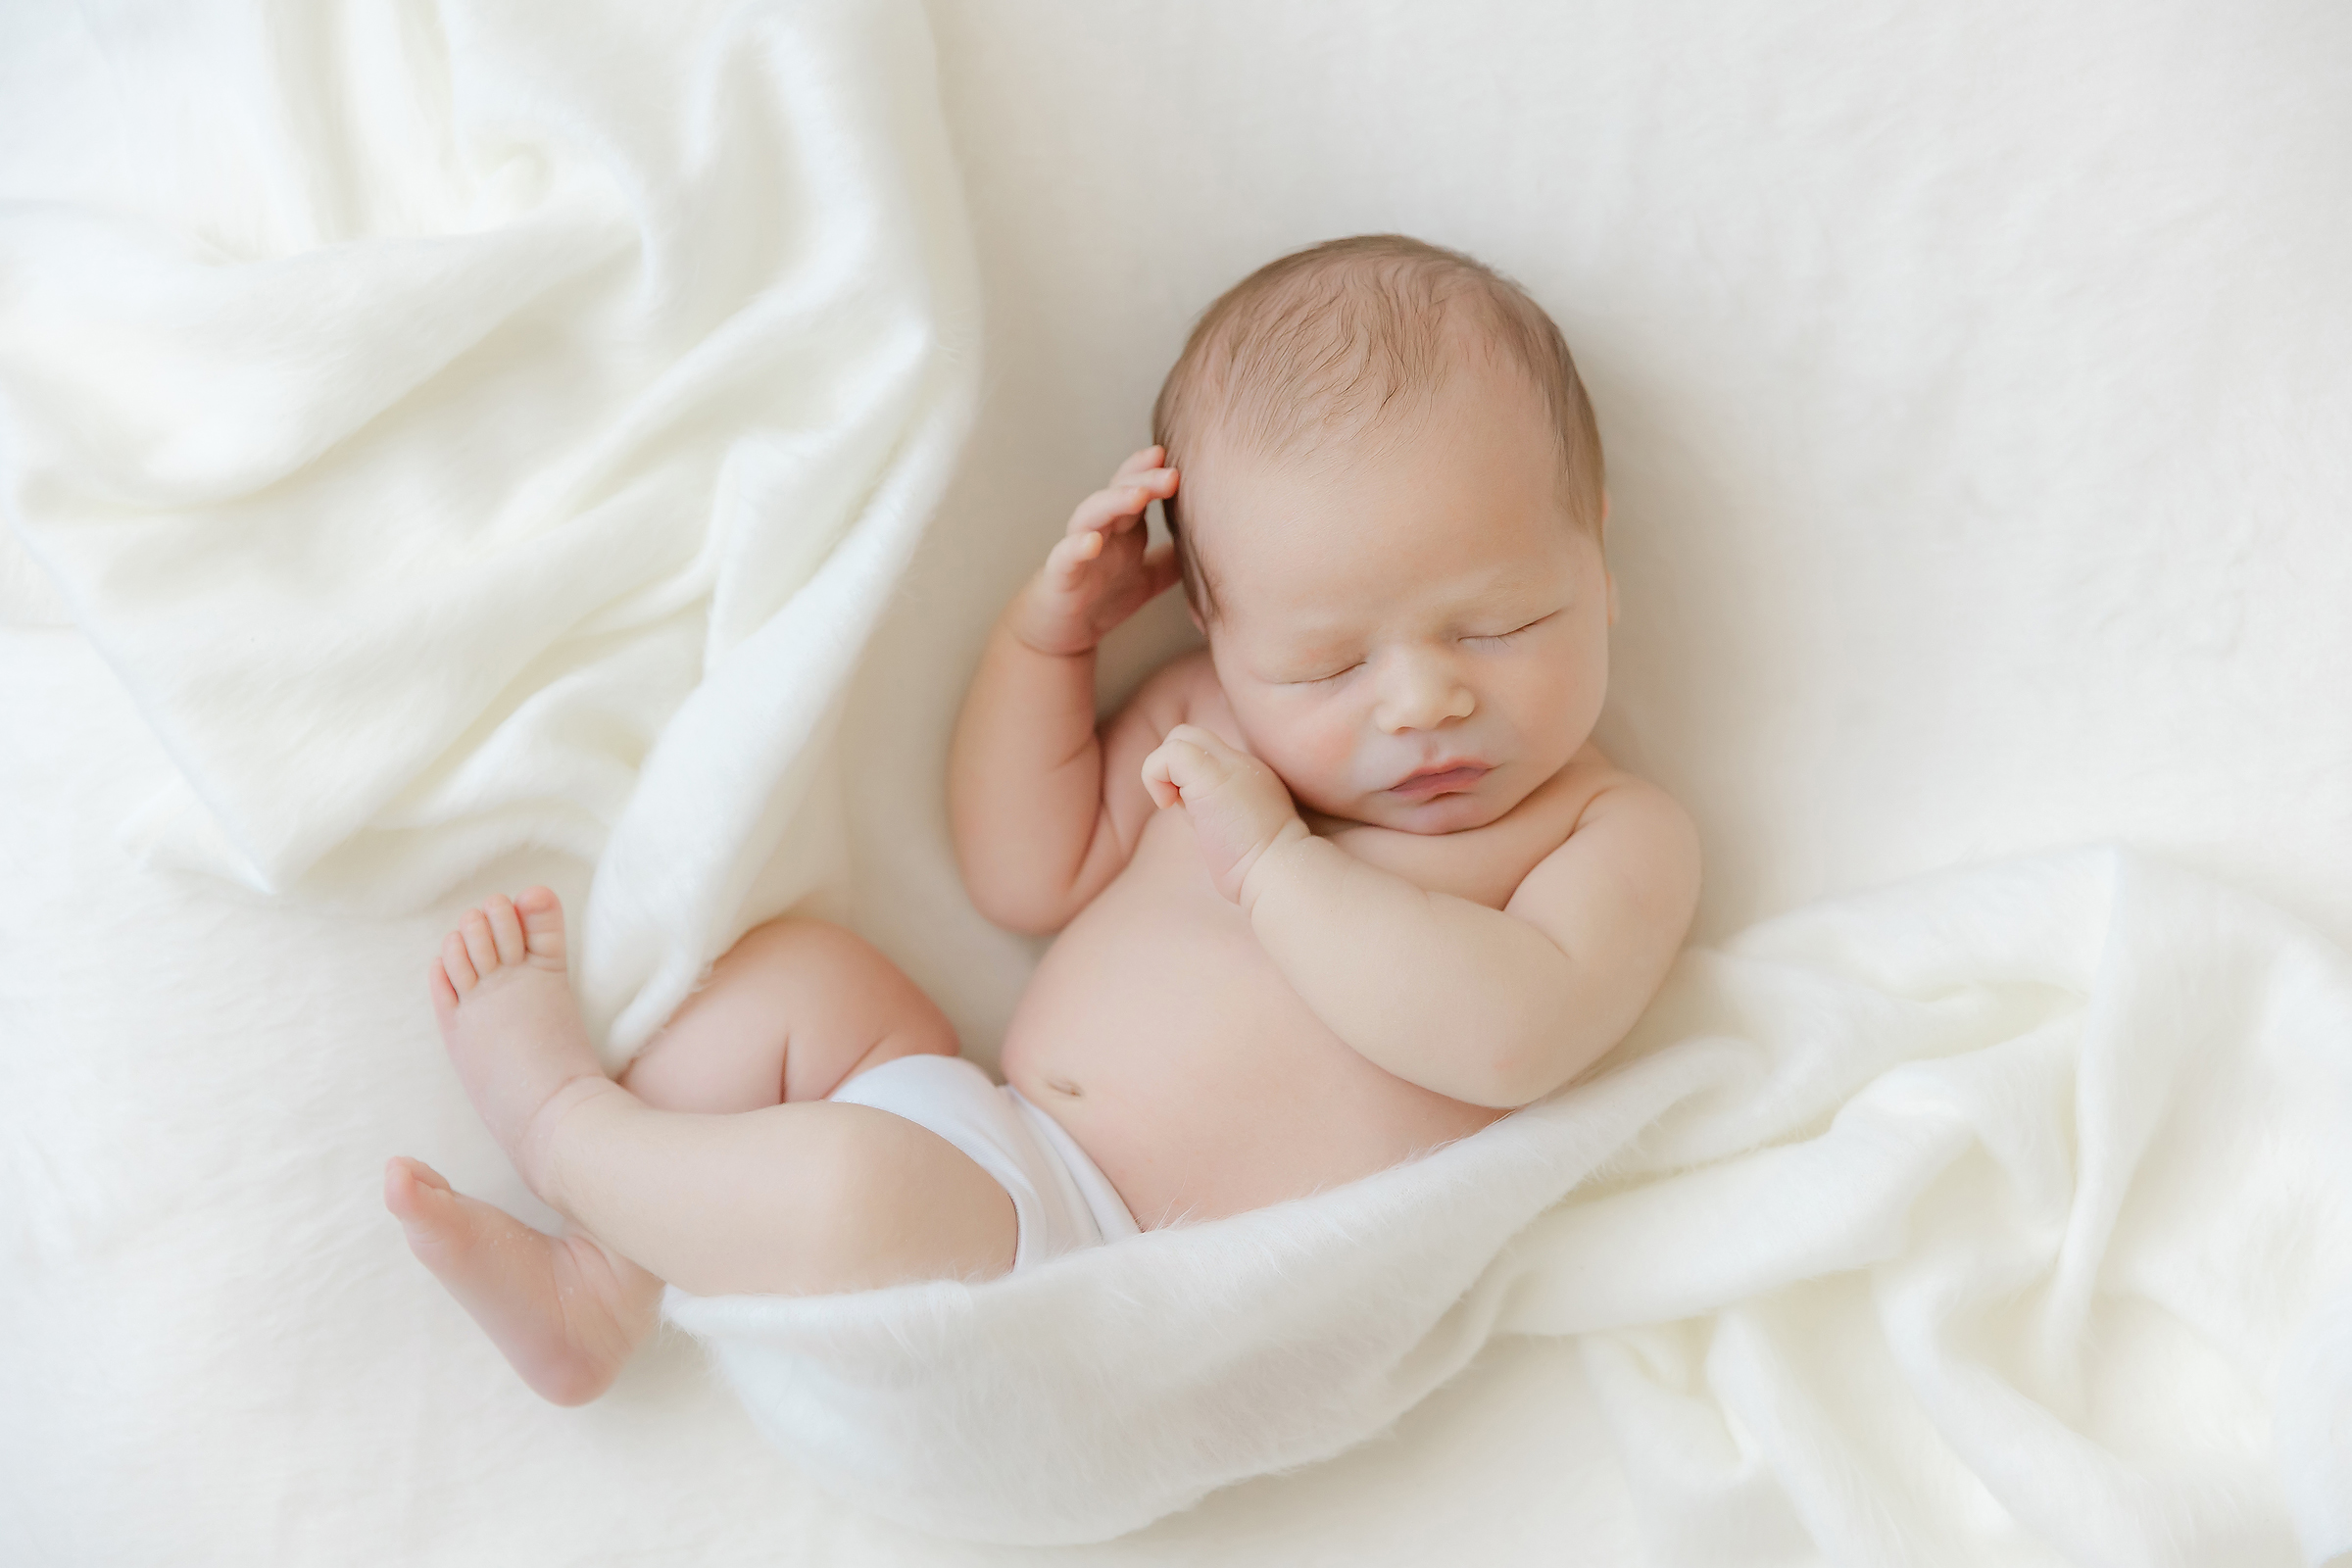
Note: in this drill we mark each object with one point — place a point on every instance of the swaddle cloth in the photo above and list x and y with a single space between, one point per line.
483 427
2001 1216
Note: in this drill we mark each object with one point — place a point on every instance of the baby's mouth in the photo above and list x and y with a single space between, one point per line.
1430 783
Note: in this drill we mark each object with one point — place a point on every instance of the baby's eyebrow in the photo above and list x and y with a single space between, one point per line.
1321 647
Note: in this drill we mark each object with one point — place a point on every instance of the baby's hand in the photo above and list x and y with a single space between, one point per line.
1100 573
1238 808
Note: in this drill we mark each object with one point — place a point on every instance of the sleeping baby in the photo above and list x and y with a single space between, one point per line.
1348 883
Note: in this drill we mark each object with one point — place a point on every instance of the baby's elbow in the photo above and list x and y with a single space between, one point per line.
1496 1076
1002 892
1524 1066
1023 911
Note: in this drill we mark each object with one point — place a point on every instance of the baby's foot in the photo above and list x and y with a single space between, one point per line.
503 998
561 1310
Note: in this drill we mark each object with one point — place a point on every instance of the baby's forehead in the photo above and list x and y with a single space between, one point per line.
1329 569
1320 388
1238 444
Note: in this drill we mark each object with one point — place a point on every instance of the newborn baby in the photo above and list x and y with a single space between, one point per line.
1347 884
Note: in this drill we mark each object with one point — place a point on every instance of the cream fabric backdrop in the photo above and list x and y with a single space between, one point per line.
1973 383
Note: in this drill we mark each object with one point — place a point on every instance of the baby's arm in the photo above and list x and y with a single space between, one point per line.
1494 1008
1037 833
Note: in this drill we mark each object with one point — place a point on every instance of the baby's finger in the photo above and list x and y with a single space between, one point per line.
1136 463
1121 503
1204 742
1158 781
1191 759
1069 560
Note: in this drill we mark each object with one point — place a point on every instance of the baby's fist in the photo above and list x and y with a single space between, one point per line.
1238 808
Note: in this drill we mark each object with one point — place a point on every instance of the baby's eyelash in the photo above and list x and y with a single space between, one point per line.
1325 680
1506 636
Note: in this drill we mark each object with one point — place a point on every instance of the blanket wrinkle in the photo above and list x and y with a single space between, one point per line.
552 398
1870 1261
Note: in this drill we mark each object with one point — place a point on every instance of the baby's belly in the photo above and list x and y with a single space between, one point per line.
1158 1033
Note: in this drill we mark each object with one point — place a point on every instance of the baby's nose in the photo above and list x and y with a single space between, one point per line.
1422 693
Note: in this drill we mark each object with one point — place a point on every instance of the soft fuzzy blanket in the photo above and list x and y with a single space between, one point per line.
2002 1214
495 429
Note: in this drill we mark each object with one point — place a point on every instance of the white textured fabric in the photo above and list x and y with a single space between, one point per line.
1061 1200
1973 381
494 428
2013 1204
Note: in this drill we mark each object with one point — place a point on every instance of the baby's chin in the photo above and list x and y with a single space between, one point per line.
1453 812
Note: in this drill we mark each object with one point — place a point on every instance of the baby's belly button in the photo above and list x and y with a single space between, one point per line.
1048 1076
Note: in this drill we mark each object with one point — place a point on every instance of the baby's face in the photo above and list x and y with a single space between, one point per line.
1413 632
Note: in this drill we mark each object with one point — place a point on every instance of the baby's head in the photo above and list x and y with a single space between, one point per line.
1388 520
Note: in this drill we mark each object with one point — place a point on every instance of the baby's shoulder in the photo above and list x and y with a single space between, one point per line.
1592 789
1182 691
1620 830
1192 679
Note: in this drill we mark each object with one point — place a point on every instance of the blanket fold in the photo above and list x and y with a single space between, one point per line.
468 395
2000 1215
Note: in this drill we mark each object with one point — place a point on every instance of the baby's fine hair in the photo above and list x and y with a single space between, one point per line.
1346 334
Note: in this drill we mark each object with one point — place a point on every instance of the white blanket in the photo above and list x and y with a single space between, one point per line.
494 432
2001 1216
1973 380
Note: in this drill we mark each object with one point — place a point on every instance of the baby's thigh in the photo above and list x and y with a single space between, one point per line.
788 1013
807 1199
909 1205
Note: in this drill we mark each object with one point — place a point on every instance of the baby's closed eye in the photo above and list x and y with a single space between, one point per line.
1508 636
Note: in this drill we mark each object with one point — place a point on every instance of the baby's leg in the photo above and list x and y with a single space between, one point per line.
797 1199
567 1310
793 1011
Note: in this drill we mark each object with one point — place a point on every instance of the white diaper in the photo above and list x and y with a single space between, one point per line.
1060 1199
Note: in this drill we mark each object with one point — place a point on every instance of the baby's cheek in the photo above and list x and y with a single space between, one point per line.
1318 753
1556 705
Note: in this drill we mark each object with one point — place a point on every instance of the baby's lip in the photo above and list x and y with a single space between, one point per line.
1446 776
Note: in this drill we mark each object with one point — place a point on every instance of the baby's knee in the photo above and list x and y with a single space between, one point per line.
822 971
821 952
793 939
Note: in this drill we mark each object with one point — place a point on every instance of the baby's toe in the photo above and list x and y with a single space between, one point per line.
405 1188
541 917
457 965
401 1172
426 1210
480 946
506 928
